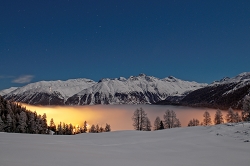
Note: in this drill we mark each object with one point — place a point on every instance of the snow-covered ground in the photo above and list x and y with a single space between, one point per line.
220 145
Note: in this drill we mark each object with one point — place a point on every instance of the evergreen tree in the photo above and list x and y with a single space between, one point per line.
71 129
84 129
230 117
246 109
218 117
101 129
22 122
1 124
52 125
207 119
60 129
237 117
97 128
9 124
44 124
31 122
107 128
161 125
92 129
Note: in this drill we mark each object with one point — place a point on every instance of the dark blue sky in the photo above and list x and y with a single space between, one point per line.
194 40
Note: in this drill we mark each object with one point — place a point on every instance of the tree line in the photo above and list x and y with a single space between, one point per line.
68 129
141 121
231 116
17 119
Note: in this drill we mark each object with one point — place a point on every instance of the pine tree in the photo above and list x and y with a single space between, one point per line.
52 125
230 117
9 123
246 109
207 119
85 129
107 128
218 118
1 124
44 124
22 122
161 125
97 128
237 117
31 122
92 129
71 129
101 129
60 129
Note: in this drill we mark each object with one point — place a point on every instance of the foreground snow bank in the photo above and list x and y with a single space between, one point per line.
222 145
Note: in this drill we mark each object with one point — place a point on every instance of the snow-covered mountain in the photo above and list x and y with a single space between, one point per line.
134 90
228 92
6 91
49 92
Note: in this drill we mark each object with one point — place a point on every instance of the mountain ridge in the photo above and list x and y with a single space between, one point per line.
141 89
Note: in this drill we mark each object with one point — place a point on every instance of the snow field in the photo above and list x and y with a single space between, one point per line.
220 145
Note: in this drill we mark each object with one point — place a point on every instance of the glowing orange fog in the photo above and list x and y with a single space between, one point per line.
118 116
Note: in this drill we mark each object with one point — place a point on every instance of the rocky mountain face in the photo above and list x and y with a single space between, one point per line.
228 92
140 89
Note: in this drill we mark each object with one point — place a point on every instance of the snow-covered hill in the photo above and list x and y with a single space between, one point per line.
220 145
134 90
43 92
6 91
228 92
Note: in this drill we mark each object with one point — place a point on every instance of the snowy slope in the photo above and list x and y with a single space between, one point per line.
228 92
221 145
6 91
241 80
134 90
39 92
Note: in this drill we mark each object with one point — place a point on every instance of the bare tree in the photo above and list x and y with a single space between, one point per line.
170 120
194 122
207 119
218 117
139 119
147 125
157 123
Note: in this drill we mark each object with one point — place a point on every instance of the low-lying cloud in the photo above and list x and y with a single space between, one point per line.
23 79
118 116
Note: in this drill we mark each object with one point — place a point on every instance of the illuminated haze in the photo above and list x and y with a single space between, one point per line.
118 116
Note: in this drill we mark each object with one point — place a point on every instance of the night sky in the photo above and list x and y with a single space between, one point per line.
195 40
